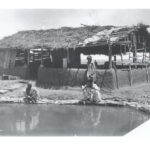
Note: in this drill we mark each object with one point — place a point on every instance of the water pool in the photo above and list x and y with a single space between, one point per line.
66 120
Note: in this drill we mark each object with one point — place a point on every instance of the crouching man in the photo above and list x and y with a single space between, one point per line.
31 95
91 91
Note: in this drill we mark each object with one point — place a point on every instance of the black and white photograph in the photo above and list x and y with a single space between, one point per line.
74 72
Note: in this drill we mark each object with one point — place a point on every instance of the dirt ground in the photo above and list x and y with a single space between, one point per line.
16 88
140 93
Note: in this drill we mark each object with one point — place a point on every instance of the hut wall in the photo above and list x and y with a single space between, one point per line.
21 72
73 77
75 60
123 78
58 56
7 64
105 78
138 76
7 58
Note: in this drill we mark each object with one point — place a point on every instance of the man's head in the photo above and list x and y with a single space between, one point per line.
90 82
29 86
89 58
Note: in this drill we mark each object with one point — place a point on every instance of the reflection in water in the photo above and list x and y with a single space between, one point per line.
91 116
20 127
20 119
28 122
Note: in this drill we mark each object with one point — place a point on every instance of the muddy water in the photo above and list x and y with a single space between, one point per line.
60 120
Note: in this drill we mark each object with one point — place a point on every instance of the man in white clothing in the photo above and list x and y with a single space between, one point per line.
91 91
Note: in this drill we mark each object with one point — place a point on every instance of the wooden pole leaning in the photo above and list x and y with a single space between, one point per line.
147 73
130 74
110 55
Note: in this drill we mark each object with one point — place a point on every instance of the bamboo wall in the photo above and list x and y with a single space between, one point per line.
7 64
21 72
73 77
108 79
133 77
7 58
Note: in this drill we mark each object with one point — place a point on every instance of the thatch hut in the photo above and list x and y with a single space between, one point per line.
118 41
69 43
60 43
61 48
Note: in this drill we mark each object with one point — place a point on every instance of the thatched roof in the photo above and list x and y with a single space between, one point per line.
118 38
53 38
113 35
67 37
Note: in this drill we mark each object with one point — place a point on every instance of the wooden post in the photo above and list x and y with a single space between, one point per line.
125 49
115 60
41 65
135 48
121 59
129 52
143 57
68 57
27 55
110 55
116 76
121 55
145 50
130 74
134 56
147 74
117 79
129 45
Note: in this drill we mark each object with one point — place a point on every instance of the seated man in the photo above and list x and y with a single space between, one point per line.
31 95
91 91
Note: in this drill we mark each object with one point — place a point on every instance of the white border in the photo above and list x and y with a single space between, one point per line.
75 4
84 143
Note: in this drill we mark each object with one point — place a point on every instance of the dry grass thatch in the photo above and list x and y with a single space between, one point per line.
65 37
53 38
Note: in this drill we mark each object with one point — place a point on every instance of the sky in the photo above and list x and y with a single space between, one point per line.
14 20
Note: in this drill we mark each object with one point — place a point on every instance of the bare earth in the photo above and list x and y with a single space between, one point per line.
15 88
139 94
